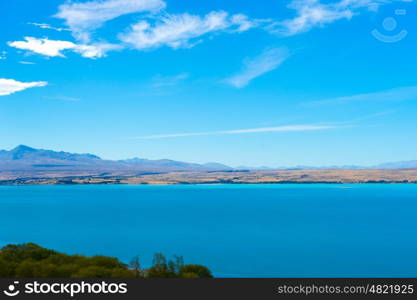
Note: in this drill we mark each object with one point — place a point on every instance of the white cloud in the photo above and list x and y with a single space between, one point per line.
84 17
96 50
269 60
55 48
397 94
43 46
156 28
182 30
10 86
289 128
169 81
47 26
243 22
171 30
3 55
313 13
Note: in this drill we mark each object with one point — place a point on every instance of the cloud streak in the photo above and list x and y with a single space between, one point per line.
156 28
63 98
47 26
55 48
169 81
82 18
266 62
23 62
396 94
289 128
182 30
10 86
313 13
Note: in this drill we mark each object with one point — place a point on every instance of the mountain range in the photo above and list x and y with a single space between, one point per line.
27 160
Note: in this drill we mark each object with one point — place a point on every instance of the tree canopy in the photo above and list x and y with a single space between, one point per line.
33 261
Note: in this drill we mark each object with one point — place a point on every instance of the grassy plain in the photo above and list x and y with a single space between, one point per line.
230 177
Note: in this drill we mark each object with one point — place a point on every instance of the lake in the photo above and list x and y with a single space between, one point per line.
289 230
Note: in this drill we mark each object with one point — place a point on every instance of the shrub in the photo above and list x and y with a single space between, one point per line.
198 270
31 261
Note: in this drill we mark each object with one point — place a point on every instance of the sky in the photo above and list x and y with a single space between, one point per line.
245 83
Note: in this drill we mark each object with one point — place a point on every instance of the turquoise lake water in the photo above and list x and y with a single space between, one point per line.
314 230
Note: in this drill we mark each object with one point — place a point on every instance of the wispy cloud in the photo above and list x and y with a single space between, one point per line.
3 55
244 22
156 28
182 30
84 17
23 62
55 48
267 61
376 115
96 50
48 26
63 98
289 128
314 13
10 86
397 94
169 81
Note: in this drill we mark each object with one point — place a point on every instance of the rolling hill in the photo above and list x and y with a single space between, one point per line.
30 161
25 162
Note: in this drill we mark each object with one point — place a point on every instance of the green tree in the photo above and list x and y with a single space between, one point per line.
135 266
160 267
176 264
198 270
6 268
93 272
31 261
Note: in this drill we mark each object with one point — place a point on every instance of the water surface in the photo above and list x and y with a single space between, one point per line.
236 230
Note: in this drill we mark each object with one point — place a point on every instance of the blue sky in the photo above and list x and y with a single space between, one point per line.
274 83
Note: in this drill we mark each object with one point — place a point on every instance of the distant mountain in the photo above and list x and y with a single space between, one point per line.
160 163
391 165
213 165
27 153
346 167
28 160
412 164
24 161
257 168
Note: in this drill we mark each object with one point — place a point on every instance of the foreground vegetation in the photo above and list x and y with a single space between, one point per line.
31 261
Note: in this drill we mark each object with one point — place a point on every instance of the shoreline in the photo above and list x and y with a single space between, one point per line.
214 183
321 176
